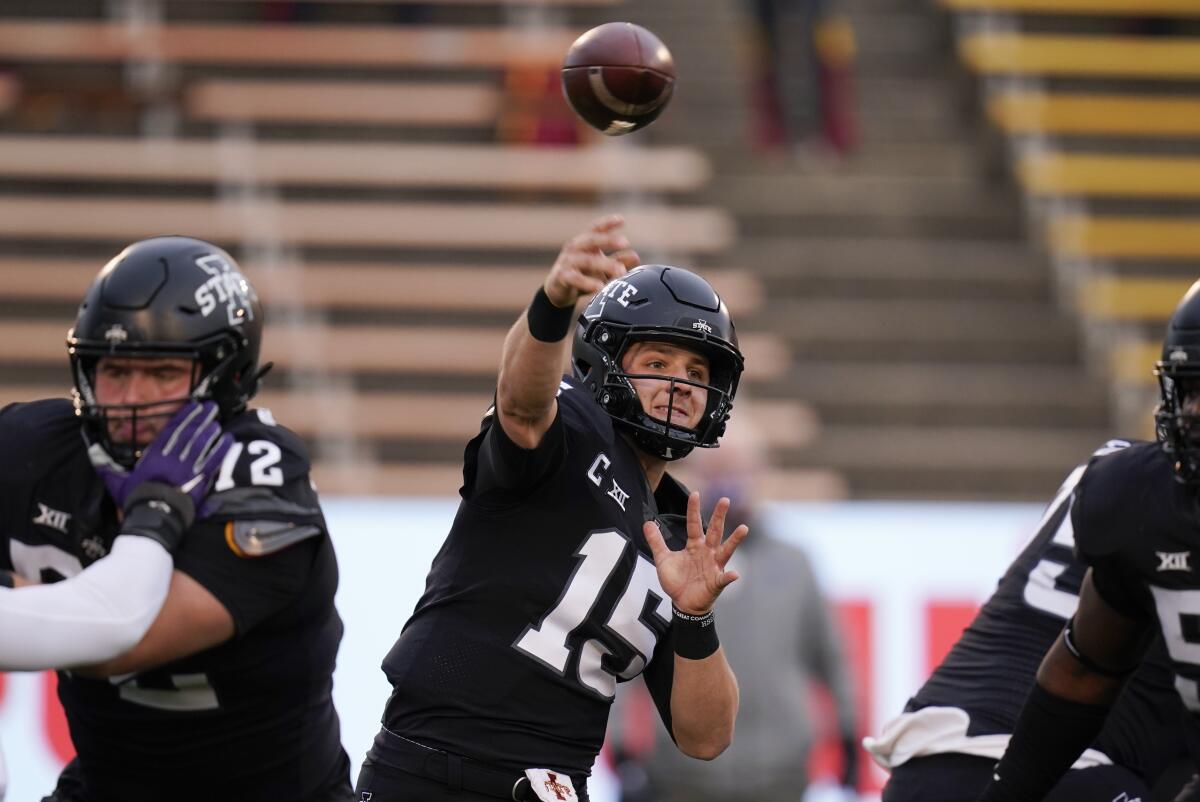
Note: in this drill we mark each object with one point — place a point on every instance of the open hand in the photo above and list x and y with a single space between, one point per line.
694 576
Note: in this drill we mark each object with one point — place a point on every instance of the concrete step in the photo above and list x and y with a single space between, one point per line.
897 268
794 202
899 36
947 157
912 100
944 331
966 394
945 462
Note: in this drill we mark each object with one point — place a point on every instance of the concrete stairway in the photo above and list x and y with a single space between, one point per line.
923 325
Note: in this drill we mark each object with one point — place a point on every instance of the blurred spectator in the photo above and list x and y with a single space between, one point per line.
10 91
779 637
534 111
802 81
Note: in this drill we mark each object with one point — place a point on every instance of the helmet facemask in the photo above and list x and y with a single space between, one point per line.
1177 418
211 363
618 396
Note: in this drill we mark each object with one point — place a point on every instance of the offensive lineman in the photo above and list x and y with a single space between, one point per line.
1136 522
105 609
943 746
228 694
555 582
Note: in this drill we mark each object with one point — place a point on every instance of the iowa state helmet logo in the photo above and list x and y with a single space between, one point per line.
225 286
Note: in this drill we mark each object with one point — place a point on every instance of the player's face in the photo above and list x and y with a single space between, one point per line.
141 381
686 402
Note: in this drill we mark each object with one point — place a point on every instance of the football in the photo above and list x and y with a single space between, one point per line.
618 77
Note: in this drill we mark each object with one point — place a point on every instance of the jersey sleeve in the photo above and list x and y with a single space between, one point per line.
498 470
1105 533
500 467
254 543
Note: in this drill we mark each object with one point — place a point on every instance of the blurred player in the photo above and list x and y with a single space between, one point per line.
555 582
228 694
944 745
1137 524
778 658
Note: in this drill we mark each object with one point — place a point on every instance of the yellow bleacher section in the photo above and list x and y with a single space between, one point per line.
1131 202
1082 55
1095 114
1178 8
1109 174
1124 298
1109 237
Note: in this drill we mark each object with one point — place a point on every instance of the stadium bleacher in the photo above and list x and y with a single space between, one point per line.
405 252
1103 125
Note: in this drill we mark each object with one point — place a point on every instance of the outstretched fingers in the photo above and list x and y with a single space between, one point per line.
695 526
726 579
716 524
726 549
654 539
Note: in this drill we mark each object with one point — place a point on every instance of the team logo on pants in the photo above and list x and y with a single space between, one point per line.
551 786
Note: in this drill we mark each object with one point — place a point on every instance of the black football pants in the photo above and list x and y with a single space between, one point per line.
400 770
953 777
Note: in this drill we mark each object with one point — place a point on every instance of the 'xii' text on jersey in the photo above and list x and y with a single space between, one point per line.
250 719
991 669
1142 541
542 598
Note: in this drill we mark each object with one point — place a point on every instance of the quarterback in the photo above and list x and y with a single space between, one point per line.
575 561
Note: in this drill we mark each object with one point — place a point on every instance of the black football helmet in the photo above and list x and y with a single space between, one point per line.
167 297
660 303
1177 427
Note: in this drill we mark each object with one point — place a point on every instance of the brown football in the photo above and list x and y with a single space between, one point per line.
618 77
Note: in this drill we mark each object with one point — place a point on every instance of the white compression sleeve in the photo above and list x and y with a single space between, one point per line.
91 617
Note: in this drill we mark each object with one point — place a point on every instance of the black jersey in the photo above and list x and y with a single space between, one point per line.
250 719
542 598
991 669
1143 540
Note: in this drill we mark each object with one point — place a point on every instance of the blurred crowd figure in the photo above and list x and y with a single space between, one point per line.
802 78
780 638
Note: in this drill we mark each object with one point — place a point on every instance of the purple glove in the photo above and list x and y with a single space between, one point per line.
185 455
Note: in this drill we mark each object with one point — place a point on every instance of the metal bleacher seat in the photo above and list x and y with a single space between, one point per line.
1122 8
1095 114
336 285
499 167
1082 55
1133 298
397 224
342 102
1116 175
1113 237
371 46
